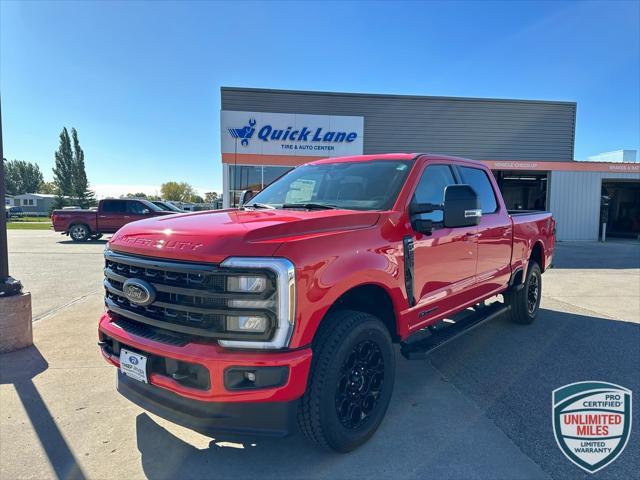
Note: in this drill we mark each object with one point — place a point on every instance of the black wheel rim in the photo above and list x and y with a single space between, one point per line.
360 384
533 294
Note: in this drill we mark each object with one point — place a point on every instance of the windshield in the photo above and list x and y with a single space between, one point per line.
169 207
371 185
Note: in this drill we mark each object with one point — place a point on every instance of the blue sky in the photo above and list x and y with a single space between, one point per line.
141 81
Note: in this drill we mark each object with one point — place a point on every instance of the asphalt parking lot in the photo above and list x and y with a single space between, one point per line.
478 408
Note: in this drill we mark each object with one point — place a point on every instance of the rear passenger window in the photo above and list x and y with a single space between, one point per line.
114 206
479 181
434 180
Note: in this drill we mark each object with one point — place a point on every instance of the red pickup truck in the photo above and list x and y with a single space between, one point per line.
285 311
82 225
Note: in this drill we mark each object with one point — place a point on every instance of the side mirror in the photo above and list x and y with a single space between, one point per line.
461 206
246 196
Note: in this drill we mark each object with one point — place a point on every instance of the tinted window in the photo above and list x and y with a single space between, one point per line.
137 208
479 181
430 189
114 206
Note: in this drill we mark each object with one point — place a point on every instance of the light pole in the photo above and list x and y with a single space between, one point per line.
8 285
15 306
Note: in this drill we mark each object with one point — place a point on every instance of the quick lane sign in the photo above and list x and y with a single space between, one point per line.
288 134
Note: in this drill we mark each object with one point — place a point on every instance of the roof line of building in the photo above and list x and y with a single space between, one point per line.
386 95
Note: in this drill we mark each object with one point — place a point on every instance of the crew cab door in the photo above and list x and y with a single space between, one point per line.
111 215
444 262
495 232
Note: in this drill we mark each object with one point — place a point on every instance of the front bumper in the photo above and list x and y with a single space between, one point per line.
215 408
212 418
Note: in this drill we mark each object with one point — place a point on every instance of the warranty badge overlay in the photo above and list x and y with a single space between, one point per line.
592 422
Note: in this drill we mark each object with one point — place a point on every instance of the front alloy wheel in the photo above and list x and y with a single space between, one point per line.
360 384
350 382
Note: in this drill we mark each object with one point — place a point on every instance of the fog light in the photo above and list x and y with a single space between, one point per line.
250 324
251 376
253 284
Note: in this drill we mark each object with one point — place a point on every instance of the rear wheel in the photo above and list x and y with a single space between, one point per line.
350 382
79 233
525 302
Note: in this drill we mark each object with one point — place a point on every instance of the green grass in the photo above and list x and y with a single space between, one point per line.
30 219
28 226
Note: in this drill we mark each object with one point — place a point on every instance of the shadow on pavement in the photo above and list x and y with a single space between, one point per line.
19 368
507 370
510 371
585 255
88 242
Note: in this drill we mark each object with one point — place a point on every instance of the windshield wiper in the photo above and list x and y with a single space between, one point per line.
309 206
259 205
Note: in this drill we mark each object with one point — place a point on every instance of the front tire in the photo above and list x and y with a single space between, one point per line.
525 302
79 233
350 383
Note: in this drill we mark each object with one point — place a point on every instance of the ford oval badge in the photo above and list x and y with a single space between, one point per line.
139 292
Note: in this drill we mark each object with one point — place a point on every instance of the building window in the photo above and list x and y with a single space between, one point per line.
523 190
251 177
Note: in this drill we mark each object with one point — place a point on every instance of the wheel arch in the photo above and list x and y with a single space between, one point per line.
537 254
370 298
73 223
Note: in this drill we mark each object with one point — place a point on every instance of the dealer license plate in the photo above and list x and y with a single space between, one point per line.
133 365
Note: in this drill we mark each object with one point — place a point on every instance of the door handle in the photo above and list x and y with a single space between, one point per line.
470 236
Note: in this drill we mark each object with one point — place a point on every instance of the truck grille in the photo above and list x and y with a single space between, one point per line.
189 298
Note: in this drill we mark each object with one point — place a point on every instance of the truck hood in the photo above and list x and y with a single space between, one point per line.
214 236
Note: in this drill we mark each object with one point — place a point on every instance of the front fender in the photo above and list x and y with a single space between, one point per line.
321 284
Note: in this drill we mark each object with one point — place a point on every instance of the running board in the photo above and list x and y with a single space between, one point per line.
420 349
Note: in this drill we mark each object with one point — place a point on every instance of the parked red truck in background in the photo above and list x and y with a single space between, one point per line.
285 311
111 214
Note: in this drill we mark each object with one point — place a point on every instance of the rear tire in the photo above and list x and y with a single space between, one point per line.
350 383
525 302
79 233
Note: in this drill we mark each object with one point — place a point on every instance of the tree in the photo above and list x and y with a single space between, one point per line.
69 174
134 195
178 191
81 190
210 197
141 195
22 177
48 188
64 169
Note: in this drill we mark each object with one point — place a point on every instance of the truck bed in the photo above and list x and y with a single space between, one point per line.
531 226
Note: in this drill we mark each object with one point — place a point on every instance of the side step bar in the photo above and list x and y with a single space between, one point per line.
420 349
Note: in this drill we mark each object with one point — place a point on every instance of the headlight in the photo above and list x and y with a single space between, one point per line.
275 275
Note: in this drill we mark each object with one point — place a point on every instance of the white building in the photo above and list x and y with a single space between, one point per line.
617 156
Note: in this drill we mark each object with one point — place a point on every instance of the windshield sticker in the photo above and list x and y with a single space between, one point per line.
300 191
